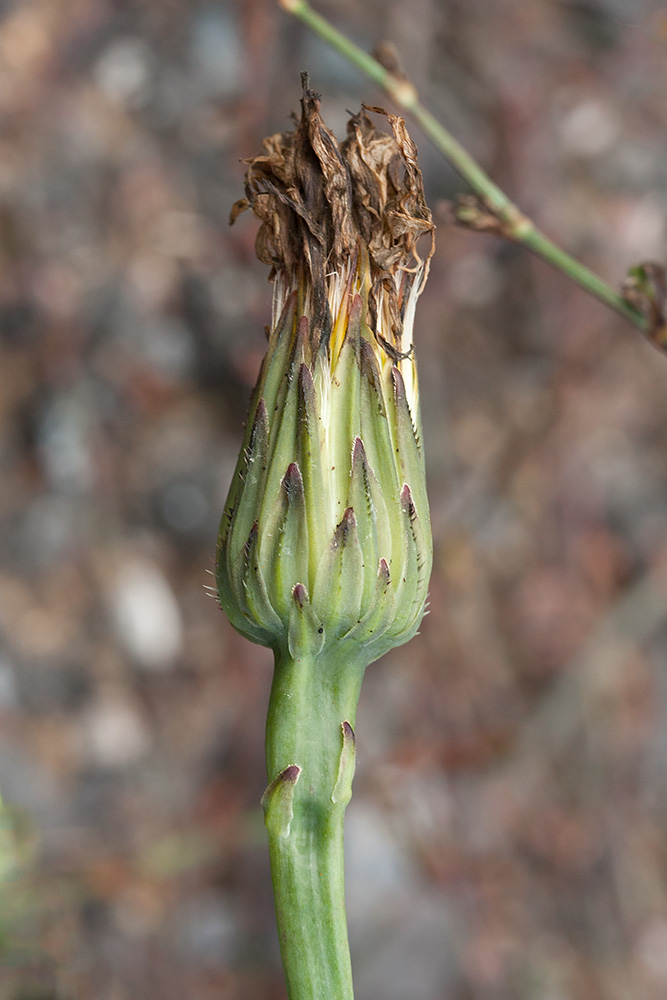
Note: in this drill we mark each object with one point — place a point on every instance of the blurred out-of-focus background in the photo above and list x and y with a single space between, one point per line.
507 839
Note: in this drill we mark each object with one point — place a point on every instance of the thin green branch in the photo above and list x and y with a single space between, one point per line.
508 220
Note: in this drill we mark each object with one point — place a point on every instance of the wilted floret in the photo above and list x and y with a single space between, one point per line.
325 536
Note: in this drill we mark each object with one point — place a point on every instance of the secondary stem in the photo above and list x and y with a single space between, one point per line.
310 763
516 225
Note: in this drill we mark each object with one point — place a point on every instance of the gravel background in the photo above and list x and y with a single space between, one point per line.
508 835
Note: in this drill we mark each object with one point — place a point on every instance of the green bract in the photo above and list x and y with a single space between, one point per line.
325 537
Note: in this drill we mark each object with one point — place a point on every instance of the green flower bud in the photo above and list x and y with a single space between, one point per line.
325 537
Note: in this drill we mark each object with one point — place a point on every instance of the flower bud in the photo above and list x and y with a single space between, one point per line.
325 537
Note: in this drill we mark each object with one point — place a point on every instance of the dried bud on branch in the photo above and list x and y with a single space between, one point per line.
645 288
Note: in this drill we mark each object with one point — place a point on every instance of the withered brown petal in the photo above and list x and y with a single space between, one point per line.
320 203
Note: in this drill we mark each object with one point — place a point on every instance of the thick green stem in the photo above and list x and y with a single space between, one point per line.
310 763
514 224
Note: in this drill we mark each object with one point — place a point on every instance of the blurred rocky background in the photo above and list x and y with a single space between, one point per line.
508 835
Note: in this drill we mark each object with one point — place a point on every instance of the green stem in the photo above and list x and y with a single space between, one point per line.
310 763
515 225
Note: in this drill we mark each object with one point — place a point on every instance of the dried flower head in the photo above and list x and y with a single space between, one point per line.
325 535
